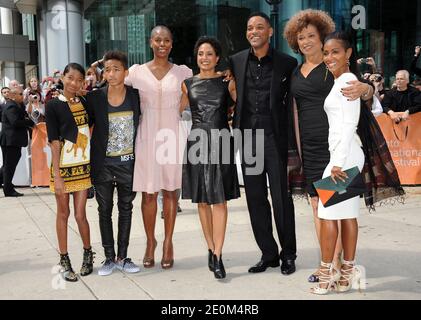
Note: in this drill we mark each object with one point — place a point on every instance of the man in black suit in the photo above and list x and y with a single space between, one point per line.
263 78
3 99
4 95
13 137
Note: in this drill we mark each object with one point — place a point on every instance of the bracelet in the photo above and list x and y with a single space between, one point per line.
368 92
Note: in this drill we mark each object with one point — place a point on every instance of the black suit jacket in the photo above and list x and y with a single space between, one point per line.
15 126
280 99
97 107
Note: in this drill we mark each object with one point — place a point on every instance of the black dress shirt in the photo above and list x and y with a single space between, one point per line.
257 113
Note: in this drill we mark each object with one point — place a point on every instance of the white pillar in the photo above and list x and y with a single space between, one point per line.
6 19
60 35
13 71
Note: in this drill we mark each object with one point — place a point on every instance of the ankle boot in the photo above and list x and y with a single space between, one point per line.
210 260
88 262
67 270
218 267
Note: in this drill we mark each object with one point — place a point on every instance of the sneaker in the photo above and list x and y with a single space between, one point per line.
127 266
107 268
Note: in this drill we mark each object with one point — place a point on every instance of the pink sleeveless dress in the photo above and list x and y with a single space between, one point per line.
161 138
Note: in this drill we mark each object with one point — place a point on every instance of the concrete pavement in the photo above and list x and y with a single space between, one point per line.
389 250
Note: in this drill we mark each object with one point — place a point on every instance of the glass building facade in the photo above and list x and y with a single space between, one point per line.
393 28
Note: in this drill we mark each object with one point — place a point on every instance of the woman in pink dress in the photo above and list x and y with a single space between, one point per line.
160 141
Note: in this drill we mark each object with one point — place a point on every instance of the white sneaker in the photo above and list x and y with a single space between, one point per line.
107 268
127 266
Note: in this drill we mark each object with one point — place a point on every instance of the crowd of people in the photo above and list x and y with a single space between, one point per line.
118 127
403 98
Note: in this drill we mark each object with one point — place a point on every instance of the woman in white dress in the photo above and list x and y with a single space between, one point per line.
345 153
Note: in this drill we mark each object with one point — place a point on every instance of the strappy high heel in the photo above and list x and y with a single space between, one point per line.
149 262
167 263
351 275
327 279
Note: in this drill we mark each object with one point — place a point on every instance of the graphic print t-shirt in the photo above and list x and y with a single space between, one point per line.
121 135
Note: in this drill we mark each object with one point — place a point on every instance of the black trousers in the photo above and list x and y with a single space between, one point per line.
11 157
110 178
282 203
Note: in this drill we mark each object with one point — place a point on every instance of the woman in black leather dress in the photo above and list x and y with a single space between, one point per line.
311 83
210 175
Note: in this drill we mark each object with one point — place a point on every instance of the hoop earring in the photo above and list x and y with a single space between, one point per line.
348 63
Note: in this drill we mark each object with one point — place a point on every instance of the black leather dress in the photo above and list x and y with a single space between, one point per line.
210 173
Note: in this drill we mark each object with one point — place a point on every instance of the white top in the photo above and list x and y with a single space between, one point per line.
343 116
377 108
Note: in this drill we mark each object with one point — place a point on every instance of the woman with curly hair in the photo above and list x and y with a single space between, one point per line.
310 85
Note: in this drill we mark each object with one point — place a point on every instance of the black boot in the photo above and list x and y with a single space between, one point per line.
67 270
210 260
88 262
218 267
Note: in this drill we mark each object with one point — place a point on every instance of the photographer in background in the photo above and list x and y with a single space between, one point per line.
368 65
91 80
35 108
414 68
378 81
54 90
403 101
99 67
33 86
375 102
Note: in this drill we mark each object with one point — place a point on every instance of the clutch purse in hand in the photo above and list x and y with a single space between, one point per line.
331 193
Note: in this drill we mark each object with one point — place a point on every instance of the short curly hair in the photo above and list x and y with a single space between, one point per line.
320 19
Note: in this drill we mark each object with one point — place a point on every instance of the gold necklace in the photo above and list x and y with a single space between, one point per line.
74 100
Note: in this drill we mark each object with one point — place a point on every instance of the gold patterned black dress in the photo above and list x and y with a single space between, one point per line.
75 167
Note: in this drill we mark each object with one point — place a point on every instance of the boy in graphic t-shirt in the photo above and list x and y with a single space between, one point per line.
114 113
